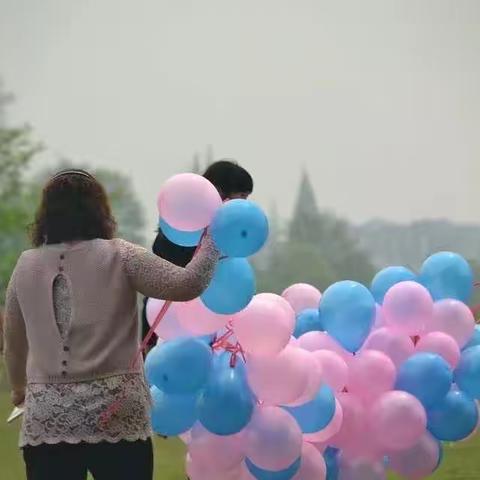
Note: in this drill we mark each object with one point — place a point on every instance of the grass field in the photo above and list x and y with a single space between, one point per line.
462 461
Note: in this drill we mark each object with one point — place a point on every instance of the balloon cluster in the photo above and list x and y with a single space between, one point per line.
344 385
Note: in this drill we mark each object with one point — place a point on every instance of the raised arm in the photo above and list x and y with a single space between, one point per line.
155 277
15 343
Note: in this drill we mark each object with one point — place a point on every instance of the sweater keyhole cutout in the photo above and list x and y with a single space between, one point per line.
62 305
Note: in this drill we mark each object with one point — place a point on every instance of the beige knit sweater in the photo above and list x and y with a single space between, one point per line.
103 277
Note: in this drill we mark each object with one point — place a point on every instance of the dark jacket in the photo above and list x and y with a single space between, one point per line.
173 253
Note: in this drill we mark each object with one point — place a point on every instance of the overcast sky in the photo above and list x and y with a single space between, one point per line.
378 99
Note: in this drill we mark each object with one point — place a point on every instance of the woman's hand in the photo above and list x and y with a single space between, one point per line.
18 397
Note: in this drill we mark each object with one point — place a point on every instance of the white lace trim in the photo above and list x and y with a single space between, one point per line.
71 412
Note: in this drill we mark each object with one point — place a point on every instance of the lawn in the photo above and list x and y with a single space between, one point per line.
462 461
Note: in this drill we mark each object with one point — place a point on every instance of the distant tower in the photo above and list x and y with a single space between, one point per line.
209 157
196 164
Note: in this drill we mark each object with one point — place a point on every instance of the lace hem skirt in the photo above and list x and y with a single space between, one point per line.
71 412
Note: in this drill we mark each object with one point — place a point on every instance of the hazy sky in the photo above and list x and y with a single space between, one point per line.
378 99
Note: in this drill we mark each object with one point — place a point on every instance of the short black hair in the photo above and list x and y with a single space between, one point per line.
229 178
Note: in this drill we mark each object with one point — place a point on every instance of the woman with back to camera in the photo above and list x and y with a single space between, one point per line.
71 331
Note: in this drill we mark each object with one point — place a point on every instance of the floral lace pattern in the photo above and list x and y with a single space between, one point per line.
71 412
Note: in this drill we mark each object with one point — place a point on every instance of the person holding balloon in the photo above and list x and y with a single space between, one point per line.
232 182
71 332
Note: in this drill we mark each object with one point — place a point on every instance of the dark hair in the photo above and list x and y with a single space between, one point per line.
229 178
74 207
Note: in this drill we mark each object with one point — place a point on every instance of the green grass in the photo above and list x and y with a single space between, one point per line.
169 454
461 461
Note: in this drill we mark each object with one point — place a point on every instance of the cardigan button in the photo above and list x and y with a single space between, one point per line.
62 257
60 269
66 349
64 363
64 373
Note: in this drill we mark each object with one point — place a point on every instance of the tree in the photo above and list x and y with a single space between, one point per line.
17 151
319 248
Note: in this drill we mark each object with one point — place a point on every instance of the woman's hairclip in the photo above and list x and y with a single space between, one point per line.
72 171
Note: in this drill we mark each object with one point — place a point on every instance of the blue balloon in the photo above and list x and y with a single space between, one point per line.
467 374
347 311
239 228
454 418
447 275
316 414
180 237
387 278
179 366
232 287
226 405
307 321
261 474
331 460
474 339
426 376
172 414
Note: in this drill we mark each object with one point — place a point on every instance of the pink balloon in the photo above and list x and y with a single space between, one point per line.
380 320
371 373
395 345
280 379
418 461
407 306
273 439
441 344
330 430
314 379
265 326
313 341
293 342
302 296
195 471
313 465
353 421
453 318
188 202
360 469
169 327
397 420
197 319
221 452
334 369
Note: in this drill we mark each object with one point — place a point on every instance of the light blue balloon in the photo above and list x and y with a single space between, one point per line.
474 339
347 312
172 414
307 321
427 376
239 228
261 474
387 278
467 374
226 404
232 287
316 414
180 237
331 460
447 275
454 418
179 366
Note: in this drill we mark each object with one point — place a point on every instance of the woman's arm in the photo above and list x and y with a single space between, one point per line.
15 343
155 277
